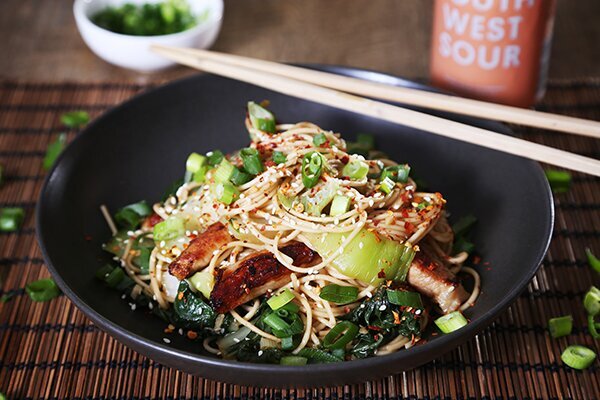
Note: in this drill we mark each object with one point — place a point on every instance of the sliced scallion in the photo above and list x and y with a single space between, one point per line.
559 181
261 118
356 170
194 162
11 219
593 327
226 193
239 177
318 356
224 171
131 216
405 298
42 290
169 229
75 119
287 343
339 205
397 173
593 261
251 159
312 168
560 326
339 294
451 322
387 185
53 151
578 357
591 301
340 335
214 158
281 299
293 360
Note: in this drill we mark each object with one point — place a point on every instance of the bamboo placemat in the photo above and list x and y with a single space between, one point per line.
50 350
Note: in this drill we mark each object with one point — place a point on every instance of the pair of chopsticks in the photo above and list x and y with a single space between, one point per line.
334 90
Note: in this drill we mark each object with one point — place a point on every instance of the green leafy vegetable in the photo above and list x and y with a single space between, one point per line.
339 294
132 215
318 356
462 229
190 309
54 150
42 290
75 119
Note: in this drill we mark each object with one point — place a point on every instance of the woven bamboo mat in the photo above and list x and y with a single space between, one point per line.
50 350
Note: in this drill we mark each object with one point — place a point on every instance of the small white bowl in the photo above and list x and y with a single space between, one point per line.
133 52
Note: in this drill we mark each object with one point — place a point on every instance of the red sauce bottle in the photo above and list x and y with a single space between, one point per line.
494 50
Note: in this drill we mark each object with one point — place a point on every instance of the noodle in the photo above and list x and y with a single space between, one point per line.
264 219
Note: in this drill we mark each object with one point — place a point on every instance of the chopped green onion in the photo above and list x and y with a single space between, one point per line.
339 294
339 205
131 216
451 322
261 118
397 173
11 219
387 185
274 321
115 277
144 260
464 225
593 327
560 326
363 145
340 335
293 360
578 357
592 260
559 181
320 139
312 168
75 119
461 244
214 157
356 170
200 175
280 300
404 298
340 353
291 308
252 163
226 193
591 301
318 356
315 203
195 162
279 157
169 229
238 177
54 150
224 171
5 298
287 343
42 290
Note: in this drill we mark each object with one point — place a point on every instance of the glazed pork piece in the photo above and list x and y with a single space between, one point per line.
256 274
200 251
434 280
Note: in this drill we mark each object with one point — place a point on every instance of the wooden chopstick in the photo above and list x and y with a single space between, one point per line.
408 96
387 112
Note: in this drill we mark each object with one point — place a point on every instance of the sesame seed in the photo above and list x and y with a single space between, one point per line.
150 306
383 307
361 245
369 294
260 353
167 341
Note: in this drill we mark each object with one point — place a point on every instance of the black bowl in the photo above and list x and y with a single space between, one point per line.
137 149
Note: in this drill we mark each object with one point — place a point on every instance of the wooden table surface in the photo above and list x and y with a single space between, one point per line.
40 41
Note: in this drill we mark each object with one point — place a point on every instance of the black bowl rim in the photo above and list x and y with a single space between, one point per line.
425 353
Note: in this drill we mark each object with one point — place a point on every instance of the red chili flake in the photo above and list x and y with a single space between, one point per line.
87 238
410 228
374 328
381 274
180 295
405 213
247 290
376 337
270 163
345 159
192 335
476 260
377 238
346 309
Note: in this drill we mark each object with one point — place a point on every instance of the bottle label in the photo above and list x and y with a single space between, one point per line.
490 49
